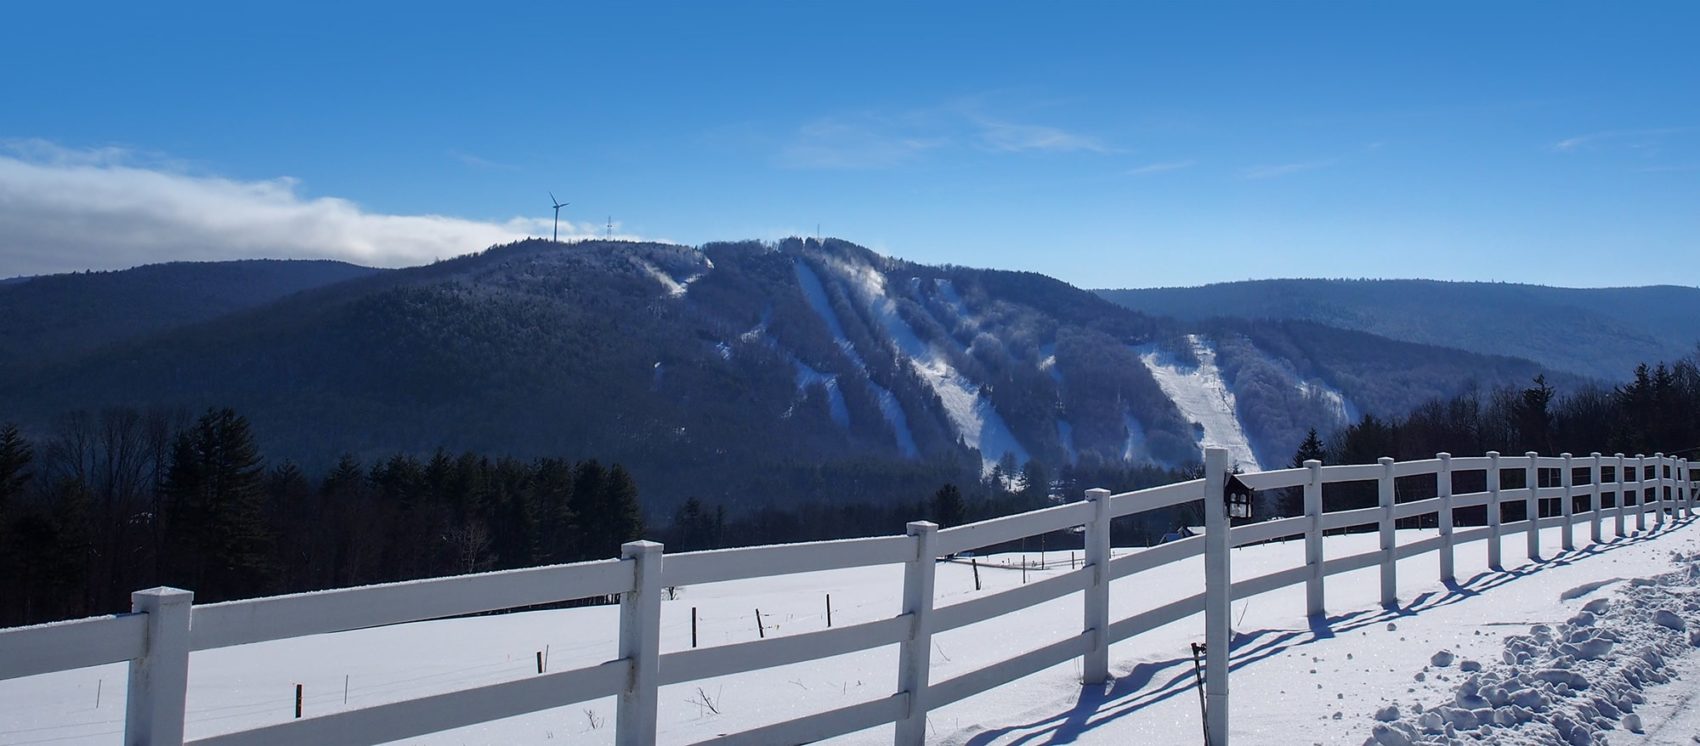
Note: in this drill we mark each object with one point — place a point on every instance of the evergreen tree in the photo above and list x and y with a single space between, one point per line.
605 502
623 517
1310 450
552 486
947 506
1035 485
697 527
15 457
589 482
1292 500
1534 417
218 541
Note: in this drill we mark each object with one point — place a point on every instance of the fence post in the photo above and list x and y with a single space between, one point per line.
1313 538
1567 536
1640 492
914 654
1494 561
159 680
1599 494
1218 596
1621 507
1389 563
1532 505
1443 490
1095 667
1658 490
1687 491
640 643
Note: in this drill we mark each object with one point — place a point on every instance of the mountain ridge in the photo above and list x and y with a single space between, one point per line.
1596 332
744 371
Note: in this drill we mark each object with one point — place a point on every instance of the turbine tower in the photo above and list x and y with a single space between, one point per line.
558 205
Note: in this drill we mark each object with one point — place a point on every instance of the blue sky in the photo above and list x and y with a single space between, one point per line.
1104 144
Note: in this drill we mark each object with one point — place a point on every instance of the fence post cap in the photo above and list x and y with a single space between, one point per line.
1532 454
1311 463
1443 456
921 527
1493 454
1097 493
165 595
1566 456
1595 454
641 546
1385 460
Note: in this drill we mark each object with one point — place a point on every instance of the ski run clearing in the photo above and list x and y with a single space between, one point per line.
972 415
1204 398
1602 636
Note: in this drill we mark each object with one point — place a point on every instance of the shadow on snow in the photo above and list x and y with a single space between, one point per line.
1135 690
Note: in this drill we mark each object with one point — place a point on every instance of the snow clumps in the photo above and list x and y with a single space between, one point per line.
1570 683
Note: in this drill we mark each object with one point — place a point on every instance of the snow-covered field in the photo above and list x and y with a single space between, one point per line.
1295 680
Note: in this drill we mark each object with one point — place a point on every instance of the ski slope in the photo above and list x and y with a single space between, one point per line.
836 407
1296 680
973 416
1202 396
895 418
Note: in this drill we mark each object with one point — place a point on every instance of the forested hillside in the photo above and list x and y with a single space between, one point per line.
1595 332
61 316
742 374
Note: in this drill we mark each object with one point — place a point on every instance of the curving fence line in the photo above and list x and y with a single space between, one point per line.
163 629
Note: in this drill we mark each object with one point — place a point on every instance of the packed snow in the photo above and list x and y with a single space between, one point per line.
973 416
1048 363
674 288
953 300
1572 682
1134 450
807 376
890 408
1533 636
1065 436
1336 401
815 293
1202 396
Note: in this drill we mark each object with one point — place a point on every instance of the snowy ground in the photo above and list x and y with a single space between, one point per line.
1295 680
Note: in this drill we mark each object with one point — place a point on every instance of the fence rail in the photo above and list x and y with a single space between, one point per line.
162 630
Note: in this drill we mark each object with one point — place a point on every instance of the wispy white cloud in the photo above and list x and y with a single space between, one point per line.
888 139
64 209
1626 136
486 164
1277 170
1008 137
1160 167
864 141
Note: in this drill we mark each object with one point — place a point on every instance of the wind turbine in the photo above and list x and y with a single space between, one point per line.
558 205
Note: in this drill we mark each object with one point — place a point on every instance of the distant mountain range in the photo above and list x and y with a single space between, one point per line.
1601 333
745 373
63 316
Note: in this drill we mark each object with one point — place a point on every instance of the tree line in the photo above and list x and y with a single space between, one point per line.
110 502
123 499
119 500
1656 410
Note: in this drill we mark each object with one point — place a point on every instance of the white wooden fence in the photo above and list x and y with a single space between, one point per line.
162 631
